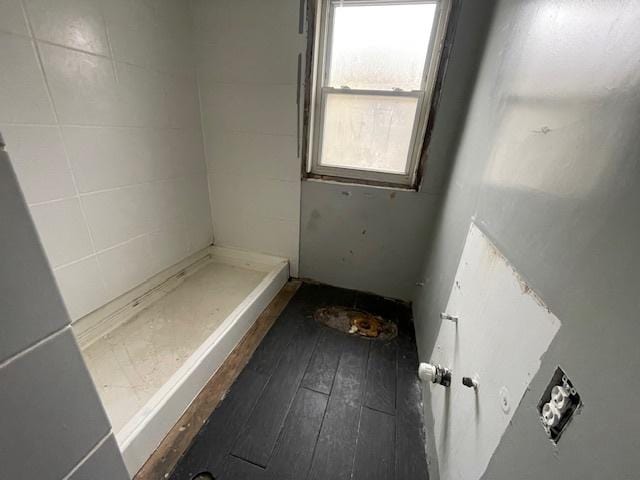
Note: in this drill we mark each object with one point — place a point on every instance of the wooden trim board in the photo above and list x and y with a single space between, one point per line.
180 437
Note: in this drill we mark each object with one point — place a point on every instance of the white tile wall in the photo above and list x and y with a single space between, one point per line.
38 156
82 287
83 87
247 55
12 18
100 111
126 265
23 95
72 23
114 216
63 230
253 108
267 156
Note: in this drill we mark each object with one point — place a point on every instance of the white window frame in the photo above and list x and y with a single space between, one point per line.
319 92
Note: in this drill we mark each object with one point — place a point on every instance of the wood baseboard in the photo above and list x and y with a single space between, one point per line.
179 439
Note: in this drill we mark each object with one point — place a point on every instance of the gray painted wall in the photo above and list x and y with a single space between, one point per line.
397 225
548 164
53 425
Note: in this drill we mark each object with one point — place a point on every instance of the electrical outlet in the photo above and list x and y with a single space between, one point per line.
558 404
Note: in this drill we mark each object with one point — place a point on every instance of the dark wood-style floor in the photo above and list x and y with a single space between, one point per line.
314 403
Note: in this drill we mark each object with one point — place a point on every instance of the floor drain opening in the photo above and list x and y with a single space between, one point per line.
356 322
204 476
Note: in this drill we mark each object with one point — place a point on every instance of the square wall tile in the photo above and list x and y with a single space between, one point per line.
200 231
274 236
251 58
83 86
168 247
62 230
186 150
135 42
108 157
23 94
115 216
81 287
182 101
105 463
12 19
230 196
175 14
142 94
128 12
72 23
197 212
232 231
217 22
39 159
54 439
32 307
176 52
207 18
250 108
126 266
265 156
275 199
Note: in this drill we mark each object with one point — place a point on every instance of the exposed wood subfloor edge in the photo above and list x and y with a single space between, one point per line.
180 437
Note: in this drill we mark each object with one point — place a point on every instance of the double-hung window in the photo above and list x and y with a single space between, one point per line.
374 70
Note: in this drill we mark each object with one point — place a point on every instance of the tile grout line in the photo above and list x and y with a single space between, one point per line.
109 46
93 450
159 181
54 110
34 346
103 125
101 251
109 56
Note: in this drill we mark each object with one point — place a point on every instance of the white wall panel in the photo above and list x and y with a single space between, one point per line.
503 330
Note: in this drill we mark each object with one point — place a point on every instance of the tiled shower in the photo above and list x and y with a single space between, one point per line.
126 135
141 133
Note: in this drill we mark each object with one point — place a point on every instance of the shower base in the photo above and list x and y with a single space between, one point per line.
150 356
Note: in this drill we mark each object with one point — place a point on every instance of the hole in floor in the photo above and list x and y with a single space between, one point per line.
204 476
356 322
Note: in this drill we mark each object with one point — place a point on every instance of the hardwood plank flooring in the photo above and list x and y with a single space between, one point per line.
313 403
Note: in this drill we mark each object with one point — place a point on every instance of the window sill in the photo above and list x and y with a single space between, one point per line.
312 177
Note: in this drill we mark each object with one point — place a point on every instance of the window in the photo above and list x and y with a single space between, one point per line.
374 70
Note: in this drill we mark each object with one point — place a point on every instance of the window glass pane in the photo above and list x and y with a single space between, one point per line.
380 47
367 132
